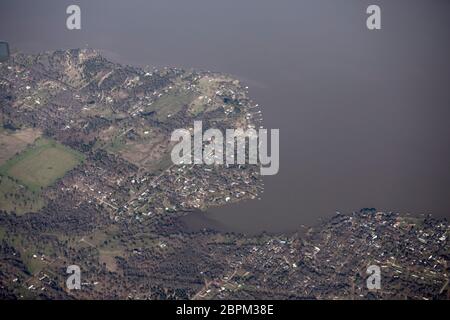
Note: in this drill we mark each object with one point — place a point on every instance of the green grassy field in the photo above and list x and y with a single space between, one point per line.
15 197
41 164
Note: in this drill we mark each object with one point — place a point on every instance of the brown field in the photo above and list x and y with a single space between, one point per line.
146 151
144 154
109 259
12 143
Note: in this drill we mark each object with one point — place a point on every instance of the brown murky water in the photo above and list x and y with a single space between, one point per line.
363 115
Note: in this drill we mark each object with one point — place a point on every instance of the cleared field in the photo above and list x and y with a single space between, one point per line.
108 258
41 164
170 104
207 101
144 153
12 143
145 149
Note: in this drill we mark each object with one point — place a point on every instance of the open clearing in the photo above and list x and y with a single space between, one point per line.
170 104
145 148
42 164
15 142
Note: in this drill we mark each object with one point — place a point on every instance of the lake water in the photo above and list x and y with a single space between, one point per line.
363 115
